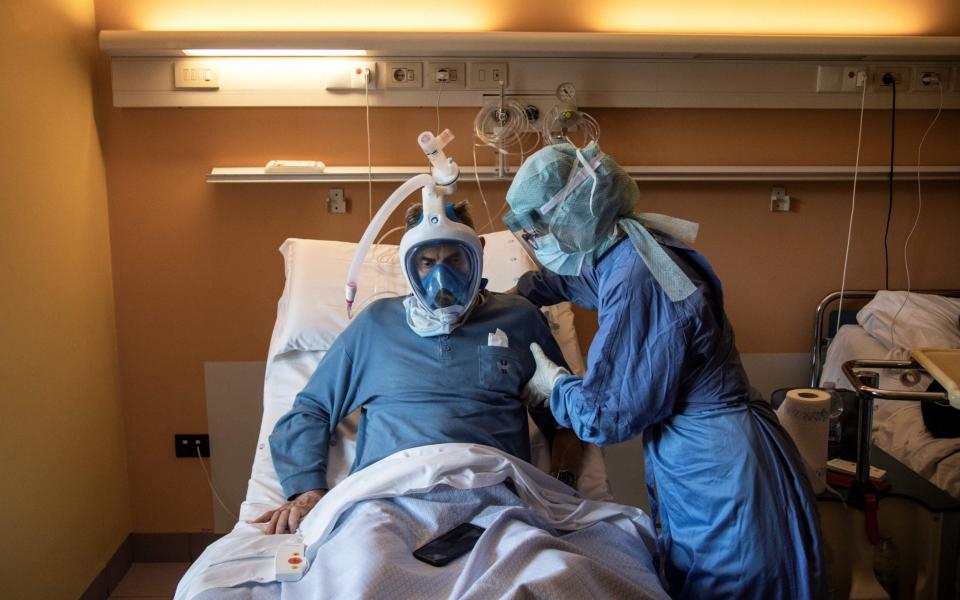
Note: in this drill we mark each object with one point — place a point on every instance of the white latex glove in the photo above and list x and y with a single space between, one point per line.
540 387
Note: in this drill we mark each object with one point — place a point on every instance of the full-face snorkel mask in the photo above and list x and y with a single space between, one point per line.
441 181
442 261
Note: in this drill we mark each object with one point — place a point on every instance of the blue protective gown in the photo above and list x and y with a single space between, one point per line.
415 391
737 513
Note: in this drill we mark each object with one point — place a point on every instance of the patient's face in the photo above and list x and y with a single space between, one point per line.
452 256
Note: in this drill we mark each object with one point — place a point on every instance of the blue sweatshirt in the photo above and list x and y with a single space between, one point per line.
415 391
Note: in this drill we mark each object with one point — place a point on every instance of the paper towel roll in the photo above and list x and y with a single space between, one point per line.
805 414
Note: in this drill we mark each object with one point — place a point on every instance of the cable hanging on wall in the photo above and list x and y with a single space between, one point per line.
861 81
890 80
916 220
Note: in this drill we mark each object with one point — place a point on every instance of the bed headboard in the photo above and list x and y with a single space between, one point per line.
821 338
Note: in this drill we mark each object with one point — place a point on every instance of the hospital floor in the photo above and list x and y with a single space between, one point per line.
147 581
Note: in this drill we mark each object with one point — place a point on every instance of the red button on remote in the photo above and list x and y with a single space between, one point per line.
294 561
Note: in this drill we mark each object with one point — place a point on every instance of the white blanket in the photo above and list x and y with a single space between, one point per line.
520 551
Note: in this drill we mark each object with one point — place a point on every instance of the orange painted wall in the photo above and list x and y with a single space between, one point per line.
197 273
64 491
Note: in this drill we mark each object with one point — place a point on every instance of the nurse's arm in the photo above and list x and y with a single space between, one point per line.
635 368
545 288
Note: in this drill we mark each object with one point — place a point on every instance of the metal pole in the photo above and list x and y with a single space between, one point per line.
864 431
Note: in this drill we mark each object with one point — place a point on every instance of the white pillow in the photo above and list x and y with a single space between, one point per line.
926 321
311 313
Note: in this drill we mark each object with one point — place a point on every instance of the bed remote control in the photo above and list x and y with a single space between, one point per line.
291 561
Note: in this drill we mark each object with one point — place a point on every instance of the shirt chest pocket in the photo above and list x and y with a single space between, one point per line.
501 370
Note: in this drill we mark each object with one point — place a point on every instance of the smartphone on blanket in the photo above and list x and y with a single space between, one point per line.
450 546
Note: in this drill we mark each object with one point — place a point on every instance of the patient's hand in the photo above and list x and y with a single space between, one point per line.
287 518
566 452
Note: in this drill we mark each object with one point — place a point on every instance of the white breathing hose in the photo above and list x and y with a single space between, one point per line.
376 224
443 176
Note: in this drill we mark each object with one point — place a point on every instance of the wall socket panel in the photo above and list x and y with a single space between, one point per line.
336 202
487 75
900 73
403 75
446 75
925 78
187 444
195 75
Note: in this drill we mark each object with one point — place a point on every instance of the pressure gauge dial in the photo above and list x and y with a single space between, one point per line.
566 91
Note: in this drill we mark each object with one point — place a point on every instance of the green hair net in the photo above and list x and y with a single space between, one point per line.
585 219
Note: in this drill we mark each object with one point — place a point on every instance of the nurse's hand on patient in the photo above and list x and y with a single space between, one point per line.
287 518
540 387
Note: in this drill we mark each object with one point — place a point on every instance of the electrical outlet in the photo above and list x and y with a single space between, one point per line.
188 443
853 78
486 76
336 203
194 75
404 75
342 75
446 76
925 79
779 200
900 74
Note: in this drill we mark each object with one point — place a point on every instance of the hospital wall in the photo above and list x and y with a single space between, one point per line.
64 495
197 273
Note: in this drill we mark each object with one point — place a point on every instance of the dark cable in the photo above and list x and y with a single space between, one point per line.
889 79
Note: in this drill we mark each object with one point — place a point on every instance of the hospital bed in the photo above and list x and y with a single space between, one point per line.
929 319
310 315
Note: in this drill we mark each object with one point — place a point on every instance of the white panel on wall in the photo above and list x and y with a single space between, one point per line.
624 83
626 473
769 372
234 410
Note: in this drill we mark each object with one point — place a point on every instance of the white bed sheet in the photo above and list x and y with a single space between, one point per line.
898 427
247 556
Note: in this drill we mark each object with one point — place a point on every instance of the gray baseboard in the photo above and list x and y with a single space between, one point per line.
147 547
170 547
109 577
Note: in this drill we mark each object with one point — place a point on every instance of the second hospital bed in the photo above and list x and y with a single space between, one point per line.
310 315
926 320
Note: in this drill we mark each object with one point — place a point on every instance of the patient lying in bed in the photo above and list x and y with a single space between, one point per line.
416 391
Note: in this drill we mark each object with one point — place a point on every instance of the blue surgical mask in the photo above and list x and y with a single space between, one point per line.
553 258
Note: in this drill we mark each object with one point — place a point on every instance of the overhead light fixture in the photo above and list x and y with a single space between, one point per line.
272 52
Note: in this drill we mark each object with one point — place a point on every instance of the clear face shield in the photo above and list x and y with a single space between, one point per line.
535 233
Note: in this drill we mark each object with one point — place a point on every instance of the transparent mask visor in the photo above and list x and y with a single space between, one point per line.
444 274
